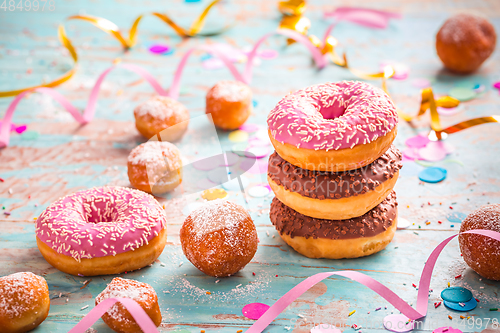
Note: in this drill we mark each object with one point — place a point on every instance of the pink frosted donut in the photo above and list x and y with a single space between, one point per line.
333 126
104 230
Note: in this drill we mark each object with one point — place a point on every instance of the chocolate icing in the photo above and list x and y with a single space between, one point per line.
334 185
379 219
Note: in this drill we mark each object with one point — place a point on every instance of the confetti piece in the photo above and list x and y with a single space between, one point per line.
458 276
434 151
493 309
496 85
456 217
238 136
450 317
432 175
83 308
1 180
352 312
403 223
398 323
159 49
254 310
21 129
213 194
258 191
325 328
462 94
6 213
448 111
479 88
421 83
411 154
447 329
418 141
456 294
254 103
437 304
249 128
461 306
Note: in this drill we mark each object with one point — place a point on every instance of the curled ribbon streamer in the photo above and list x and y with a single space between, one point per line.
112 29
88 113
423 289
141 317
431 104
246 76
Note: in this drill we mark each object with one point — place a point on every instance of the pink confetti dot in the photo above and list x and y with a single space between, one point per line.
417 141
254 310
435 151
496 85
421 83
158 48
411 154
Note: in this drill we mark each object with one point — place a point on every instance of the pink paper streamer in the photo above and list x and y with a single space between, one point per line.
87 115
370 18
414 314
141 317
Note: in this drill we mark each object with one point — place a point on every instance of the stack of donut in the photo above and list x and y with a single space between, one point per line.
334 170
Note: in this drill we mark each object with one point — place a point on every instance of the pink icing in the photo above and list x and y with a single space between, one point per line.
333 116
102 221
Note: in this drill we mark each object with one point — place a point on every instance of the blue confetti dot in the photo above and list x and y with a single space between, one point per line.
466 306
255 103
456 217
456 295
206 57
432 175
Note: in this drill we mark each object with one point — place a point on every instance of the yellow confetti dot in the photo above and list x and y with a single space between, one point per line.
427 223
214 193
352 312
448 284
238 136
209 293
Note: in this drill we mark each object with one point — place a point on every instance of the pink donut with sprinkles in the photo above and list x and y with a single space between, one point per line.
104 230
333 126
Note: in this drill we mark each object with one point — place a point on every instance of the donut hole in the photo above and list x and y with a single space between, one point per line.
99 210
332 112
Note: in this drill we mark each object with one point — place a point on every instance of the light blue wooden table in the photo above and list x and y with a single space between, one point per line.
58 157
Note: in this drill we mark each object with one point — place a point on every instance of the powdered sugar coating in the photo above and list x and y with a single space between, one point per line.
219 238
102 221
482 253
140 292
154 153
161 108
231 91
21 293
333 116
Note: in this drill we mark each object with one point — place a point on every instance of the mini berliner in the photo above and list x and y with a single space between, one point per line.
219 238
24 302
229 103
155 167
482 253
163 115
464 42
118 318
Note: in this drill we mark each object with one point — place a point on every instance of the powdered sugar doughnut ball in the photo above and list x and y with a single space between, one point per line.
464 42
482 253
219 238
155 167
118 318
162 115
229 103
24 302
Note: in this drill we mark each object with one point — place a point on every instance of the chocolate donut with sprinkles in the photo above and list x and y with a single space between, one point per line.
334 195
337 239
104 230
333 126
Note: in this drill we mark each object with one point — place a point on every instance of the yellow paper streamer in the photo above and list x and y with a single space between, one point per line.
113 30
430 103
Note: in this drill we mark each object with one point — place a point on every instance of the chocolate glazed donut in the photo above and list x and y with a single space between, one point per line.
334 195
337 239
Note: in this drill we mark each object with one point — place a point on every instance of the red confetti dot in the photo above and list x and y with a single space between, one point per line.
276 275
2 180
451 207
440 222
253 273
458 276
